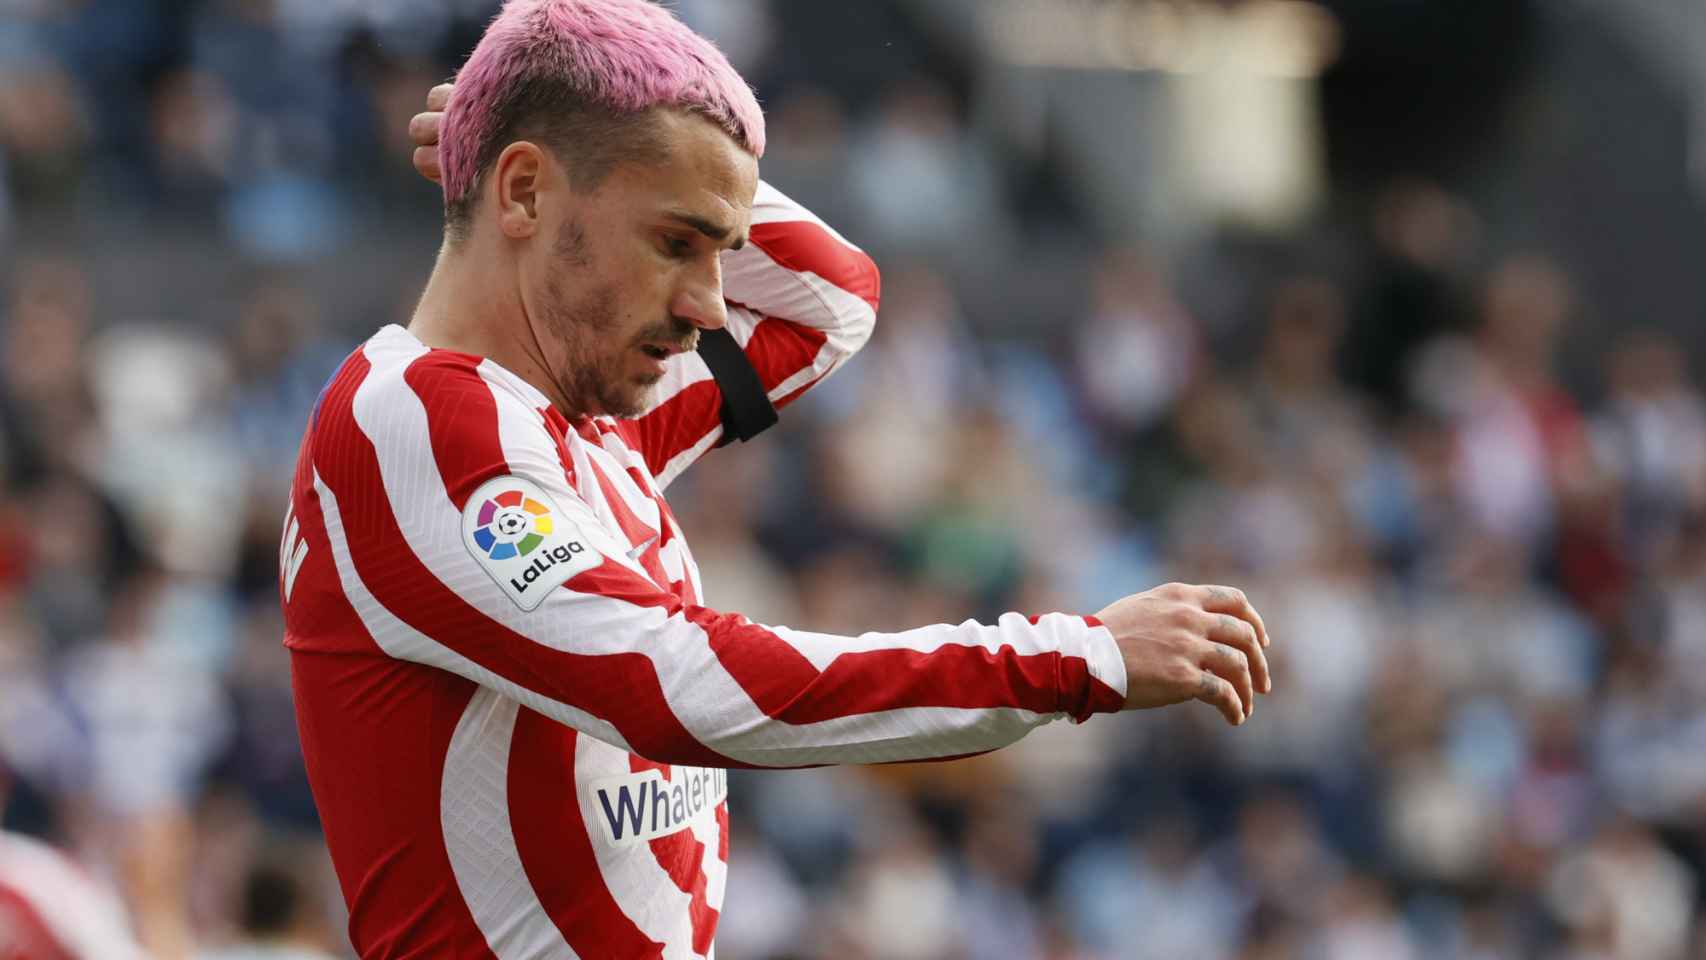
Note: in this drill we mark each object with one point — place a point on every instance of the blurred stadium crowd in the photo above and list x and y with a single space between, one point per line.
1485 575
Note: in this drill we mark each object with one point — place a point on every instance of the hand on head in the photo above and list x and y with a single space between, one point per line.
423 130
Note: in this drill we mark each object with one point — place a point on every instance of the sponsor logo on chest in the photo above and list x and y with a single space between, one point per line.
637 807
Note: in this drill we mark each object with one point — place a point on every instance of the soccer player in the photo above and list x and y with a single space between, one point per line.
515 706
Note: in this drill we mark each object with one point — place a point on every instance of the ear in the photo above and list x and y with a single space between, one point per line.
518 176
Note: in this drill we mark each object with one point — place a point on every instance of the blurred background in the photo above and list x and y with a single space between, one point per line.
1390 311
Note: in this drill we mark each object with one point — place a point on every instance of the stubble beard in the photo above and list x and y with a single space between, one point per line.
595 378
591 379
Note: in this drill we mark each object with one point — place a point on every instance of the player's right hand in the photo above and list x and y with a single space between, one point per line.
423 132
1183 642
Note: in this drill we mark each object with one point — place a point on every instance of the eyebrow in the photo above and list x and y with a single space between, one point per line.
706 227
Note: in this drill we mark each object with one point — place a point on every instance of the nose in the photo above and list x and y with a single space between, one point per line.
699 300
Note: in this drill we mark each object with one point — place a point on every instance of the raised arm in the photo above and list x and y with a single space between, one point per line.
801 300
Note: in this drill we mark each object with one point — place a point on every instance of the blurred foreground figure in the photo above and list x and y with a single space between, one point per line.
50 909
515 712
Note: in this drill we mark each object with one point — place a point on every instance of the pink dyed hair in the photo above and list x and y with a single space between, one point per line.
613 57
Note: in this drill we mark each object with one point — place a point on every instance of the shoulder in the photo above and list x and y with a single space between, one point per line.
394 384
402 370
405 418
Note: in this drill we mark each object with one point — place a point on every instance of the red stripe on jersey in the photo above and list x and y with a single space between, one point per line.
723 831
462 419
683 587
677 423
318 617
774 674
24 935
378 796
556 850
587 429
950 676
1099 698
623 688
803 246
558 427
635 529
682 857
613 580
779 349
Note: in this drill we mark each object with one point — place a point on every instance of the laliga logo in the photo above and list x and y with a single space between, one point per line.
511 525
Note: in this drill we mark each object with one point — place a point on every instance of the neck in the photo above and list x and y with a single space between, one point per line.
472 304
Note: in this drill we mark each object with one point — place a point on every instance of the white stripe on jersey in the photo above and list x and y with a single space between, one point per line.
404 642
646 894
1053 632
771 299
474 811
770 205
708 832
614 464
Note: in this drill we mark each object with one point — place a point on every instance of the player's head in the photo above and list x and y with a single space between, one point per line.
608 154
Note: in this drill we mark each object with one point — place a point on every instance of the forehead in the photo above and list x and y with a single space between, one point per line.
704 171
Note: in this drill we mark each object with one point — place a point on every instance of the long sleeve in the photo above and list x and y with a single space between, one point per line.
463 541
801 300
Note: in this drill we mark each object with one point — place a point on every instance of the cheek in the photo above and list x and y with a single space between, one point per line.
647 282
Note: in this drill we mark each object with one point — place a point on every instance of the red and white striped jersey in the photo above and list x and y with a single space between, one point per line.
50 909
515 710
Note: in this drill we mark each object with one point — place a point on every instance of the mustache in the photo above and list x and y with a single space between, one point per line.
675 332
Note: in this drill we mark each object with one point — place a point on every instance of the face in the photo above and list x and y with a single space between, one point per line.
621 280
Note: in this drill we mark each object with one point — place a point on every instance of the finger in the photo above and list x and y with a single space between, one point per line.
439 97
1218 599
1240 635
1178 591
1232 666
423 128
1216 692
426 161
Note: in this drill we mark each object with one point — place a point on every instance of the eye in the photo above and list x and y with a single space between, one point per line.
677 247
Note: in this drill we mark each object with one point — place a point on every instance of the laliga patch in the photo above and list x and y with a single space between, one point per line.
520 537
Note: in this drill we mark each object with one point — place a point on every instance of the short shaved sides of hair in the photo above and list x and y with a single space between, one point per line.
583 78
